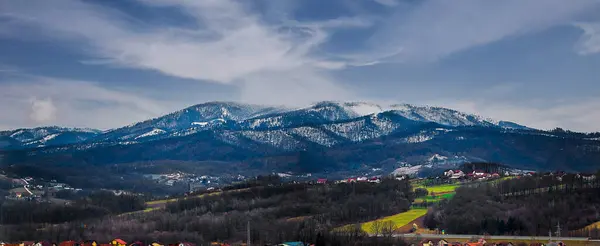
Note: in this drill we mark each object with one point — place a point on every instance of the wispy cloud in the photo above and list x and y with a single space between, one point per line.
435 29
390 3
230 45
590 40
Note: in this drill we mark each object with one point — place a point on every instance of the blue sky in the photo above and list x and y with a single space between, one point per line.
103 64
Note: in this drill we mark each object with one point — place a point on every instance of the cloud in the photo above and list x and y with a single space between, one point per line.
577 115
589 42
435 29
42 110
389 3
227 44
29 101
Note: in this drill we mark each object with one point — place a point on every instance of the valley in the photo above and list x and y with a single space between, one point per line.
337 171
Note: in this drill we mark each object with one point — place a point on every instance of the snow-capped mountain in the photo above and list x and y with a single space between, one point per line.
45 136
325 124
190 120
326 136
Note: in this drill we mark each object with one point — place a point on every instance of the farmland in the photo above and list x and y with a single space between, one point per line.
399 220
434 198
444 188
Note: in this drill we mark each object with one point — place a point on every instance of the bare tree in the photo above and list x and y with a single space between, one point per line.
376 227
388 227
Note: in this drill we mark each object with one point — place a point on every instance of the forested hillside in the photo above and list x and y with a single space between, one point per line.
276 212
525 206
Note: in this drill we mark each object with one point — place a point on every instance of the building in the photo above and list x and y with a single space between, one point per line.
68 243
375 180
321 181
44 243
454 174
89 243
20 193
118 242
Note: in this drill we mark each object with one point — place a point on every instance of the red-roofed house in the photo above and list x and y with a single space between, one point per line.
118 242
321 181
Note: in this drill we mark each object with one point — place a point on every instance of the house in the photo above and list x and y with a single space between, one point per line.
27 243
428 242
362 179
157 244
457 174
138 243
454 174
20 193
442 242
91 243
375 180
321 181
351 180
43 243
68 243
479 173
495 175
118 242
186 244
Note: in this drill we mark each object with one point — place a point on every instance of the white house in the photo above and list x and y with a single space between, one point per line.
454 174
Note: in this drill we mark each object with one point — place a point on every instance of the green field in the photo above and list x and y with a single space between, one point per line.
445 188
431 198
399 220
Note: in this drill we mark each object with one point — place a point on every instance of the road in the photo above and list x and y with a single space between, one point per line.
507 238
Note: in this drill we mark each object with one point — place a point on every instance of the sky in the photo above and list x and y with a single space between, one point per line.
105 64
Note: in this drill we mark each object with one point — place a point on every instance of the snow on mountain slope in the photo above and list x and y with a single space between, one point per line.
325 123
441 116
277 138
315 135
153 132
418 138
362 108
44 136
194 116
327 112
363 129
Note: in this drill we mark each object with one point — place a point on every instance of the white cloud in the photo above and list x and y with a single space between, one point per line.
590 40
35 101
437 28
230 45
42 110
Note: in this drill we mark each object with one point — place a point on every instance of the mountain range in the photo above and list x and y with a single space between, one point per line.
330 137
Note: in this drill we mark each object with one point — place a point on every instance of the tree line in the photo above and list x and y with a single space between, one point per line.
573 202
276 212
